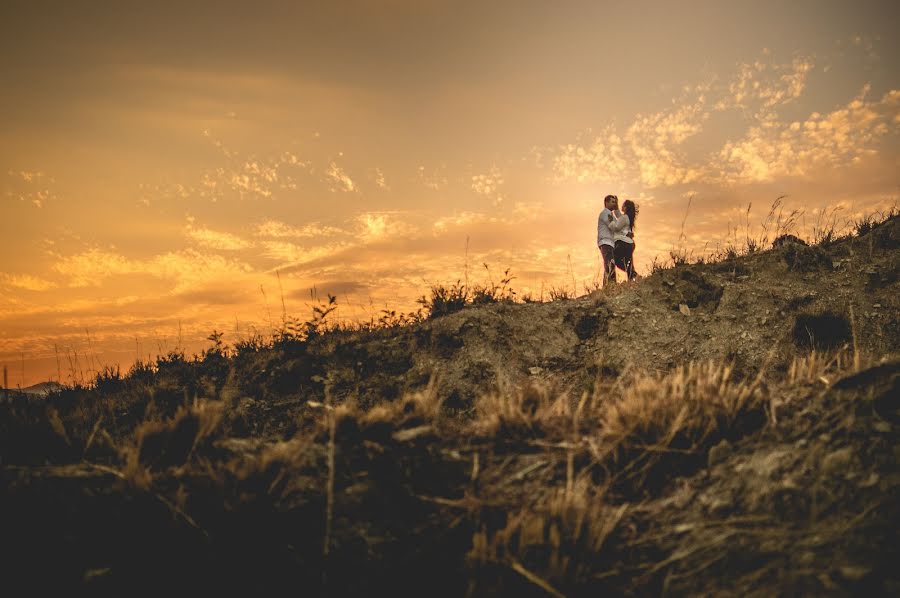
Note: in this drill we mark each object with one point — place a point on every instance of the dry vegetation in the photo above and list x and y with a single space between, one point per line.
740 442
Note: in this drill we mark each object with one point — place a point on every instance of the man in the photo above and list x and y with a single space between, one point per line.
605 240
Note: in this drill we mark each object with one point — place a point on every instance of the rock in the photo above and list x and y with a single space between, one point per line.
535 371
837 461
719 453
684 309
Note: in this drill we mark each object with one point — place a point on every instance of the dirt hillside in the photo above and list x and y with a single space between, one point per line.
727 428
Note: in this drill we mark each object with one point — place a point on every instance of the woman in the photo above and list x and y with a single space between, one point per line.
623 231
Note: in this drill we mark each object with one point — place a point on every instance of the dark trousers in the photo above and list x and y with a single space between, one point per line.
624 258
609 264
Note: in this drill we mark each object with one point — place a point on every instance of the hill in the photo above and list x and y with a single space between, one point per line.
727 428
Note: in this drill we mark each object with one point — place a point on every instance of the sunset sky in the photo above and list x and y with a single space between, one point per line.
164 164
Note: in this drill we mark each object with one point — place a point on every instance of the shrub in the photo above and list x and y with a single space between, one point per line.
445 300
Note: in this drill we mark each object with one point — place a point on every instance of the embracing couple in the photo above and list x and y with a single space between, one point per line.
615 237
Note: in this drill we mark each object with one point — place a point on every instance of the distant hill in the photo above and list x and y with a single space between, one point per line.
43 388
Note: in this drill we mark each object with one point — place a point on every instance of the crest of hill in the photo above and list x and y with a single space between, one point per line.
762 308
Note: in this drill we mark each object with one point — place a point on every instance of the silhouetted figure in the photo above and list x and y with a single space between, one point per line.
622 228
605 239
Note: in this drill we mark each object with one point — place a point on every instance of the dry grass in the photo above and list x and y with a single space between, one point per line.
159 444
694 401
537 492
557 544
533 410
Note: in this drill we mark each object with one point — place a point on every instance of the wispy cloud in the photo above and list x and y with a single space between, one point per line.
378 226
489 185
287 254
652 149
212 239
338 179
433 179
380 180
590 158
31 186
278 229
185 269
26 282
240 176
836 139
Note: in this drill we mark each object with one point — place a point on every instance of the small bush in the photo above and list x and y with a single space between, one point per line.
800 258
445 300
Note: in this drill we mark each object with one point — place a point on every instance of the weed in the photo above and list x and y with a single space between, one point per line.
560 293
445 300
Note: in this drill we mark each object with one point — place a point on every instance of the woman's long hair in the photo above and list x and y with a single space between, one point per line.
631 210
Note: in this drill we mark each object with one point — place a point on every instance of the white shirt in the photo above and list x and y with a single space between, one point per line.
604 234
621 227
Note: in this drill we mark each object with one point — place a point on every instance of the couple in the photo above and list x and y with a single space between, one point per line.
615 237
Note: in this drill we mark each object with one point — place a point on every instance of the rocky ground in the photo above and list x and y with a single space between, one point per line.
726 428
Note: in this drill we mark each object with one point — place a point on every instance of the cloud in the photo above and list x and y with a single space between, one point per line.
212 239
378 226
241 177
93 266
186 269
760 87
190 268
289 254
522 212
434 180
26 282
489 184
459 220
280 230
31 186
591 158
338 179
653 148
380 181
836 139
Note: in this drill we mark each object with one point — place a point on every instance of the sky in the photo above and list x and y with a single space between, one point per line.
167 169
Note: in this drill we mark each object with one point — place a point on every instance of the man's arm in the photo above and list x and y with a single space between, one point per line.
618 224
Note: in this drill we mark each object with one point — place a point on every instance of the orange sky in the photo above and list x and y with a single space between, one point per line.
159 164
